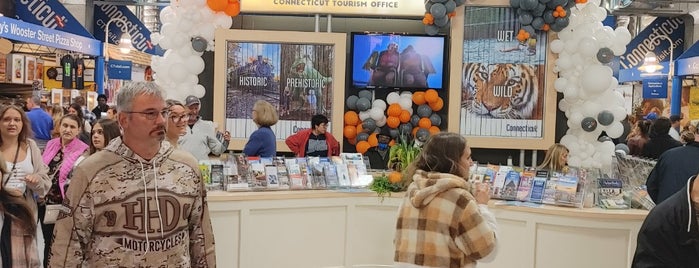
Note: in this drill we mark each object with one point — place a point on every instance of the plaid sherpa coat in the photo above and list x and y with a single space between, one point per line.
439 224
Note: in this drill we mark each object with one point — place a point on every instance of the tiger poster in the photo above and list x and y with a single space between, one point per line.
502 78
295 78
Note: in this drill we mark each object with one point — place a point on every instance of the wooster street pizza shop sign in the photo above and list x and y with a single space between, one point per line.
406 8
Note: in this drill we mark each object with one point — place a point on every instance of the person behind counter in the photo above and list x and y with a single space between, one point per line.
378 156
460 231
262 142
556 158
316 141
668 236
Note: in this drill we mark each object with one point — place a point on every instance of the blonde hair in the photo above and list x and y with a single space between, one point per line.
552 160
687 136
266 114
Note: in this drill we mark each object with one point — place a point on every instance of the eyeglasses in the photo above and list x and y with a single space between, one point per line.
180 118
150 115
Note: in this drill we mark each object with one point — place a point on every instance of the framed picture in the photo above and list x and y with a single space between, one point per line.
16 68
3 67
505 100
30 67
89 75
299 73
57 96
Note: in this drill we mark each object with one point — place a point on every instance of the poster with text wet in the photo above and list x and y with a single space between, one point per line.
502 78
295 78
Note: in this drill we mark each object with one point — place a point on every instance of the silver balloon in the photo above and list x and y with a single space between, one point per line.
588 124
362 136
431 29
424 110
605 118
369 125
422 134
438 10
605 55
351 102
363 104
436 119
365 94
199 44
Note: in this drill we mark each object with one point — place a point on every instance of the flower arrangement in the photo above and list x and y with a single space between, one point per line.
399 158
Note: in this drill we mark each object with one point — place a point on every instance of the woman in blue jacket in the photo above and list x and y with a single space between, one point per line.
262 142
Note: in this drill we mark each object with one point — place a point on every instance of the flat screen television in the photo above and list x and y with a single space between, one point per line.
403 61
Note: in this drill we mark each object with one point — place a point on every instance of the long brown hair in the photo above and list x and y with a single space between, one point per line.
110 130
441 153
26 131
15 205
552 160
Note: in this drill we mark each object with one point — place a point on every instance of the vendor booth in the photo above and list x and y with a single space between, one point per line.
687 67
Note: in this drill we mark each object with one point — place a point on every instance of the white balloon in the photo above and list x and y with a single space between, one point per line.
595 79
199 91
560 84
167 15
588 46
381 122
195 65
363 115
615 130
379 103
177 74
563 105
557 46
376 113
405 103
392 98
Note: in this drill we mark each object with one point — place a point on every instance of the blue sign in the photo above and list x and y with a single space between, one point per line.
688 62
655 88
119 69
50 14
35 34
648 41
125 22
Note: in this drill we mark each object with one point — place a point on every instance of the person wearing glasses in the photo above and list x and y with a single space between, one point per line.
176 124
61 155
139 201
200 136
103 132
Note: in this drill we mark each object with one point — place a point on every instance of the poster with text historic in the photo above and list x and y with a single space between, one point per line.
502 78
295 78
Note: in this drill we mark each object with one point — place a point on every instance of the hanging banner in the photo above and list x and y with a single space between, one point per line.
30 33
655 88
405 8
119 69
125 22
50 14
648 41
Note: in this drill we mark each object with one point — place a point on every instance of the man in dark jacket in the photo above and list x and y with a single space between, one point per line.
672 170
660 141
669 236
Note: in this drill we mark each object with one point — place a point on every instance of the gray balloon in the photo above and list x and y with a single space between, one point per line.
605 55
554 3
622 147
604 138
363 104
441 22
424 110
460 2
514 3
438 1
539 10
588 124
365 94
351 102
405 129
369 125
528 4
544 1
548 17
393 132
605 118
538 23
569 5
199 44
414 119
563 22
422 134
525 18
362 136
431 29
436 119
529 29
428 5
438 10
450 5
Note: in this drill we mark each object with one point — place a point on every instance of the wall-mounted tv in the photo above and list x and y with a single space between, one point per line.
398 61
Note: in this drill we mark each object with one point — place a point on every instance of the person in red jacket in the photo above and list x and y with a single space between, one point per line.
316 141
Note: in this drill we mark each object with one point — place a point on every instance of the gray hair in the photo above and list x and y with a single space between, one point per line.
127 93
36 100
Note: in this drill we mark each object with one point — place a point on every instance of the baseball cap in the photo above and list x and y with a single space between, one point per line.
651 116
675 118
190 100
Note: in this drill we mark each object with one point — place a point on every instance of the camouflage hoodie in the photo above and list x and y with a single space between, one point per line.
103 223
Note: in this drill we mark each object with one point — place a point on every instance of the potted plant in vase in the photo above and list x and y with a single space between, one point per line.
399 158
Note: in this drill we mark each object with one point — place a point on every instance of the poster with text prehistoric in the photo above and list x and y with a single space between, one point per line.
502 78
295 78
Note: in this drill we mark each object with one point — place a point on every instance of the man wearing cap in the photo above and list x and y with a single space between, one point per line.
200 138
378 156
316 141
675 127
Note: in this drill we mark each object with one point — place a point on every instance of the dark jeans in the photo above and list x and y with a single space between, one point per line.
47 230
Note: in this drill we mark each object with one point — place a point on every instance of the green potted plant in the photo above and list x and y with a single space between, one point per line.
399 158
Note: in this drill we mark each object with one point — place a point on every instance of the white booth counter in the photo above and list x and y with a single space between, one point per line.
318 228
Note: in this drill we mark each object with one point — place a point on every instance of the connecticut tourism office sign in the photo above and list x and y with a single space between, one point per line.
407 8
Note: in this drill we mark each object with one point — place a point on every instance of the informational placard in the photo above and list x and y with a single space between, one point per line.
119 69
35 34
395 8
503 79
655 88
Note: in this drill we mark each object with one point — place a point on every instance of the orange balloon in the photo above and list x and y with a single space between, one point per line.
352 141
437 105
392 122
395 177
414 132
392 142
394 110
217 5
373 139
359 128
404 116
419 98
431 95
351 118
350 132
424 123
363 146
434 130
232 9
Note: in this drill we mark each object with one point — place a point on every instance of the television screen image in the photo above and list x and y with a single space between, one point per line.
397 61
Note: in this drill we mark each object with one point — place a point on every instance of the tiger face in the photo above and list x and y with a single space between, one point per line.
474 77
509 92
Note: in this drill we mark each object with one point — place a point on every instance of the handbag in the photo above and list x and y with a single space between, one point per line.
51 214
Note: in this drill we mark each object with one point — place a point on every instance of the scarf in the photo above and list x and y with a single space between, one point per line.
71 153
